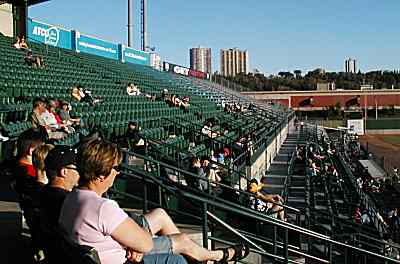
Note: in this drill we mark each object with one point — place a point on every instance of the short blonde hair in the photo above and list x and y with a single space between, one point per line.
96 158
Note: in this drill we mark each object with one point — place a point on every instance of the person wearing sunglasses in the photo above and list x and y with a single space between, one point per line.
60 166
89 219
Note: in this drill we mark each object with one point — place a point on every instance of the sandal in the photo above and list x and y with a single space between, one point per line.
240 252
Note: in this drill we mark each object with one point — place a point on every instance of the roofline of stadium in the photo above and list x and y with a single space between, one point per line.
315 92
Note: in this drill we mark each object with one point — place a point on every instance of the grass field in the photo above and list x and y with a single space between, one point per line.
384 146
393 139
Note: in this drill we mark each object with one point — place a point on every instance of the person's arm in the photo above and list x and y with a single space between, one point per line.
114 222
131 235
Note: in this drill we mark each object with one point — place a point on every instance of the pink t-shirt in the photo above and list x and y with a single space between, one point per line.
90 220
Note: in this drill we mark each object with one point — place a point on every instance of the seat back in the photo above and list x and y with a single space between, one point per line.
60 248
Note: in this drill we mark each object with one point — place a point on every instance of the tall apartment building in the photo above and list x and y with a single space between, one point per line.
200 59
155 61
234 61
350 65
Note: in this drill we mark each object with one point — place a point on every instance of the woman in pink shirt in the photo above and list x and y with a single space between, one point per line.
100 223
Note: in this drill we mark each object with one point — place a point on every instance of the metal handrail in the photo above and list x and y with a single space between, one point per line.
364 197
185 172
255 216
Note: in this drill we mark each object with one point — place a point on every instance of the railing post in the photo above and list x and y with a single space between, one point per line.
285 246
205 226
274 237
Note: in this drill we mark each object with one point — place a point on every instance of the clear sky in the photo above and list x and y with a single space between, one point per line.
279 35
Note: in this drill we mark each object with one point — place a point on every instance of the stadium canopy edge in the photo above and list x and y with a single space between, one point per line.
22 2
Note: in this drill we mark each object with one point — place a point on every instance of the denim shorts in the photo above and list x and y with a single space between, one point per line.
161 244
162 259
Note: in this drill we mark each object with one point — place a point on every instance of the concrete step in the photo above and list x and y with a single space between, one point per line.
282 157
276 169
321 207
276 162
274 180
275 186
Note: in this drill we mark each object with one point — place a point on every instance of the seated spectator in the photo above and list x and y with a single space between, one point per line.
185 103
38 157
210 171
272 200
394 222
98 222
163 95
150 97
55 128
51 118
249 145
60 165
27 186
33 60
23 44
134 140
200 182
39 107
83 95
177 101
221 157
132 89
27 142
75 93
227 108
17 43
365 217
65 117
357 215
314 169
207 130
171 100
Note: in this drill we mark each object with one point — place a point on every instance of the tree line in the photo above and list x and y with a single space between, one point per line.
288 81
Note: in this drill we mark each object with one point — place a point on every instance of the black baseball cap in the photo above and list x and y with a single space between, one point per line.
60 156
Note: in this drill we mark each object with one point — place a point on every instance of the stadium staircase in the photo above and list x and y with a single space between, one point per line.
333 201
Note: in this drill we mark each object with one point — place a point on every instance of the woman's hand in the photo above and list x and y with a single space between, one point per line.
133 255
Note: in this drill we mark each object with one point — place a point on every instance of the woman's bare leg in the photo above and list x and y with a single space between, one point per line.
182 244
161 223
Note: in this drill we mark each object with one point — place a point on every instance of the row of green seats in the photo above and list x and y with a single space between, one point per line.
154 133
14 129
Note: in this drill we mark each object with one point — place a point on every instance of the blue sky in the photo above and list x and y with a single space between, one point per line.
279 35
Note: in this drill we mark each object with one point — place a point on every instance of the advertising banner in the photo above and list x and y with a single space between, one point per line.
135 56
169 67
48 34
96 46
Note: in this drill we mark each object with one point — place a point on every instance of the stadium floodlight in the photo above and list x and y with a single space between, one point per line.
144 24
130 26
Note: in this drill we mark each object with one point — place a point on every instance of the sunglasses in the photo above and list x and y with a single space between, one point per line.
117 168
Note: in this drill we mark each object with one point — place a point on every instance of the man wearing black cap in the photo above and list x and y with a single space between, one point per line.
63 176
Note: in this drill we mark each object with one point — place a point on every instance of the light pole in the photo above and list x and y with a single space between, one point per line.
130 26
364 91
